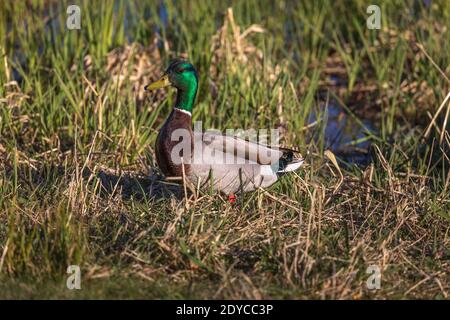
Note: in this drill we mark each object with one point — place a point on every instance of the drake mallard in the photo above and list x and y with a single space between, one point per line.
227 163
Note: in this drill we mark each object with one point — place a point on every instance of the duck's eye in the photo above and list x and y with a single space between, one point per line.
181 70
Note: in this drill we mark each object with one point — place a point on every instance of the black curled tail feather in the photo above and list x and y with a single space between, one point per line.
288 162
285 159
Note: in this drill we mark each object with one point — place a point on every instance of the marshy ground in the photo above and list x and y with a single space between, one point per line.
78 179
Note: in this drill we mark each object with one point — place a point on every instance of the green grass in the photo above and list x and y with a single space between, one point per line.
77 157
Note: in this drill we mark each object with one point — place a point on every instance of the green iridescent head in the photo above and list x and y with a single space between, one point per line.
183 76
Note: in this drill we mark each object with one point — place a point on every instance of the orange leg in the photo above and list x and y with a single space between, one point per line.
232 198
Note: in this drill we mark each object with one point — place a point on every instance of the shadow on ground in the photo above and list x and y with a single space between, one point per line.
139 187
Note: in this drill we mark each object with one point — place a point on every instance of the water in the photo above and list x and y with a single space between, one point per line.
342 134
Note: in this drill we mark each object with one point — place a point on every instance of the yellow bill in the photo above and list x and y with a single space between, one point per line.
161 83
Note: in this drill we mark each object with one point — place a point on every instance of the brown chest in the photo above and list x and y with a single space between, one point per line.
174 144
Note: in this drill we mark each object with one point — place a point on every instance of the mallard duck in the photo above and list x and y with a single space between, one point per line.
227 163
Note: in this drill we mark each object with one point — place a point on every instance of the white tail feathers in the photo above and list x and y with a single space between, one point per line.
294 165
